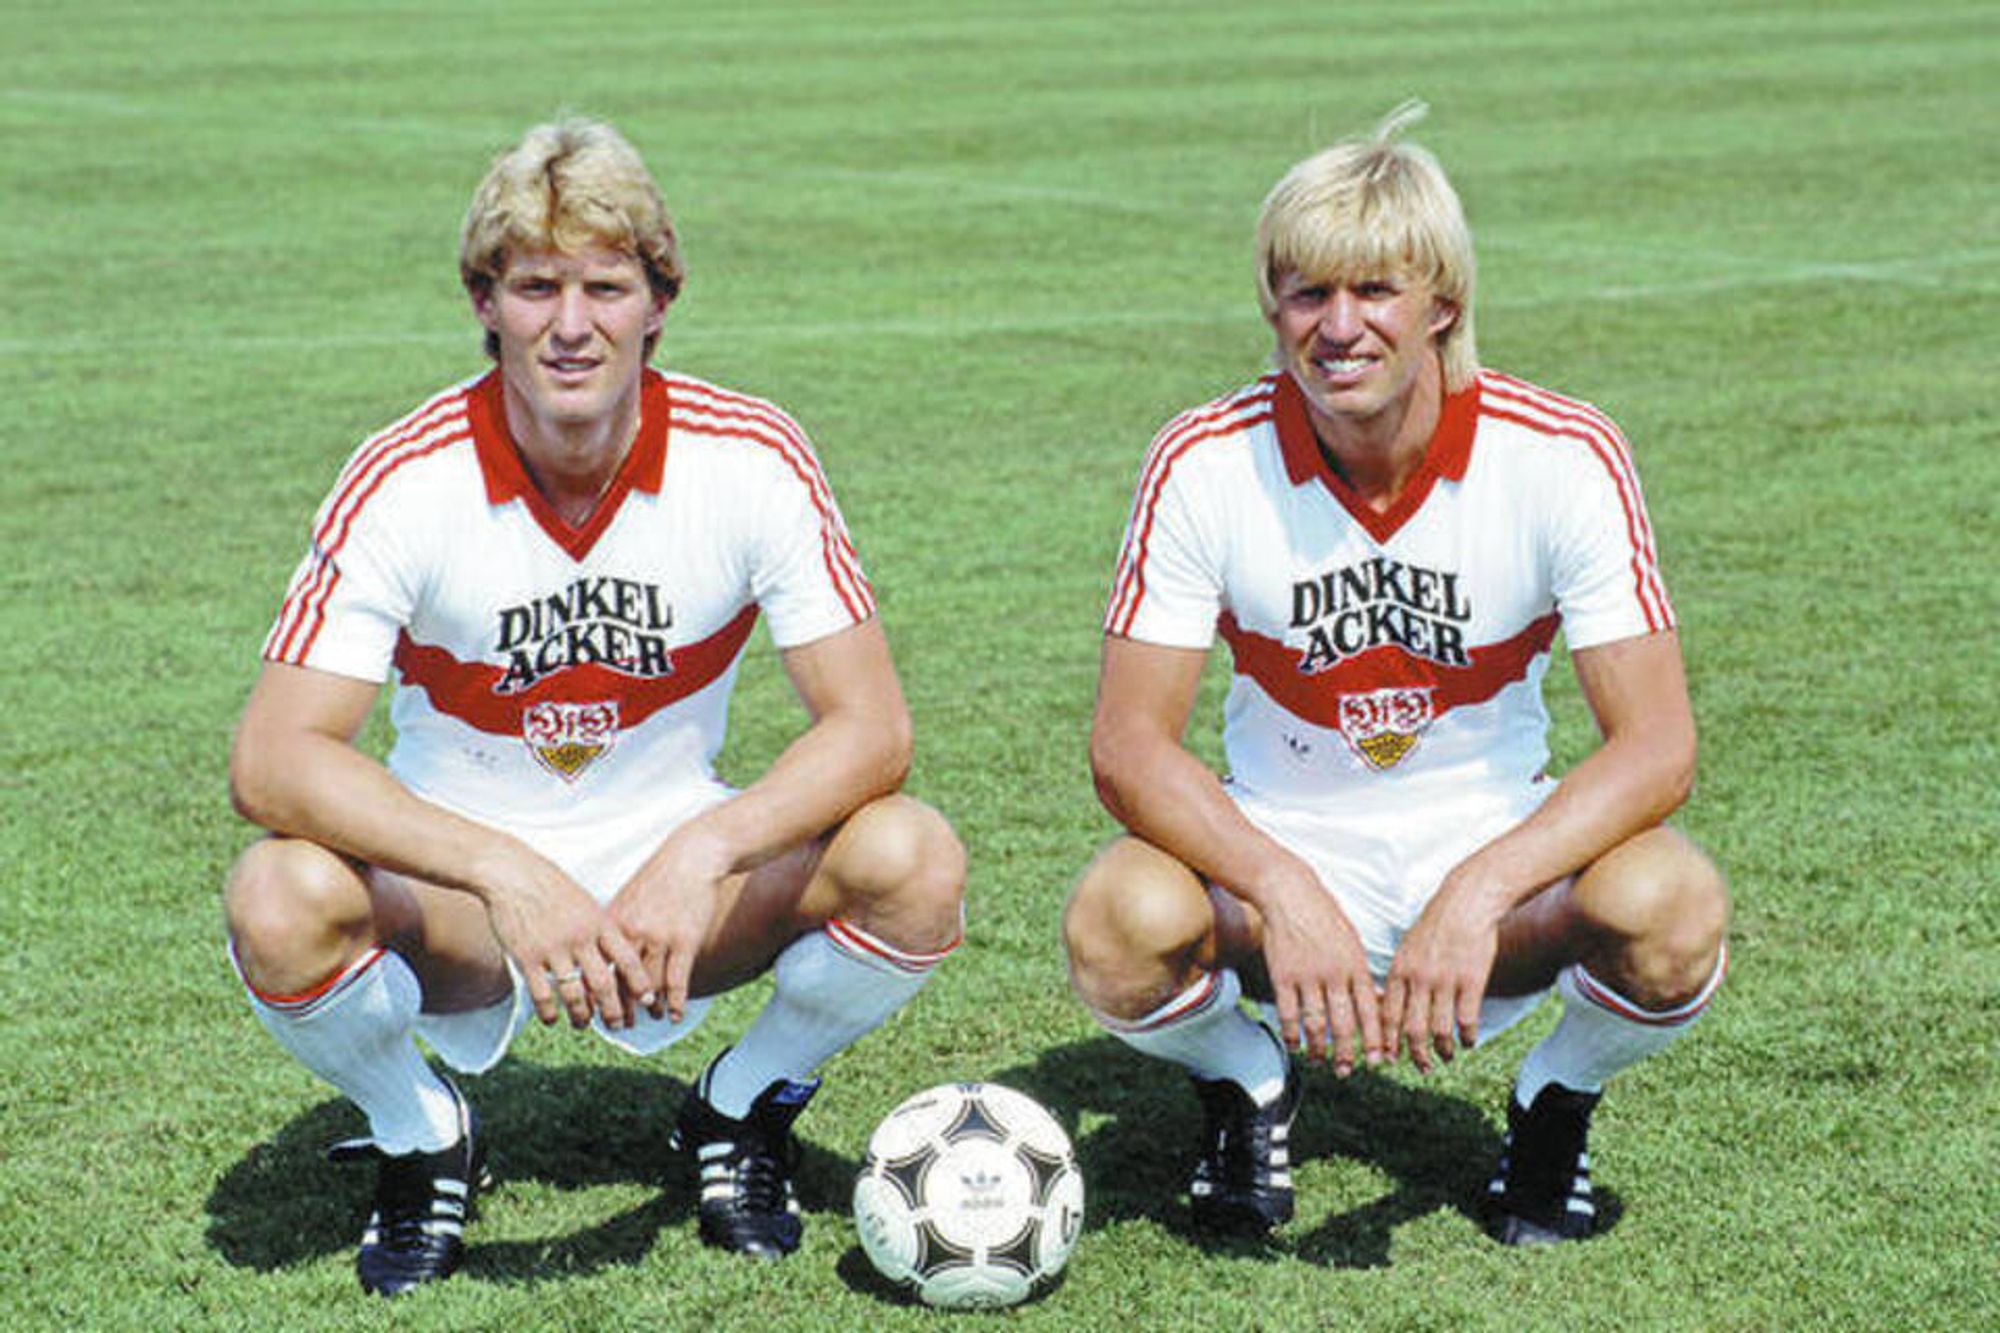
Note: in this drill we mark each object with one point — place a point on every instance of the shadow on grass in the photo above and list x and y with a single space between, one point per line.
566 1127
1436 1149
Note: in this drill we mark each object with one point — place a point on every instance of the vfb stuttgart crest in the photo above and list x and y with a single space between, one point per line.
567 738
1383 725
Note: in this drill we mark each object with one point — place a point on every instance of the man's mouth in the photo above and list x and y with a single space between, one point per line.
570 365
1342 365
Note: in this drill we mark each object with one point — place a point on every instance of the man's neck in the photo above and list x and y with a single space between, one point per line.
1378 455
572 463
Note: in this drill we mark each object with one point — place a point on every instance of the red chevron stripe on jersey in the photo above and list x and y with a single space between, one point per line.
465 690
436 425
1509 399
760 423
507 478
1241 411
1315 697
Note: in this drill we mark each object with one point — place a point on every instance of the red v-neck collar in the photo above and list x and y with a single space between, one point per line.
507 478
1447 455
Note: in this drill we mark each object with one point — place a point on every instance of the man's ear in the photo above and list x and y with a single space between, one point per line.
1444 316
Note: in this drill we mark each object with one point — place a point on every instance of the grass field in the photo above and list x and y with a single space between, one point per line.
982 251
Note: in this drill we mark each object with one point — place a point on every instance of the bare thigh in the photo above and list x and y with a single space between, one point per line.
757 914
1649 915
444 935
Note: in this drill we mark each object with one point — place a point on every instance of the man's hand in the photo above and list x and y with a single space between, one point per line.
1438 977
667 908
1319 976
571 950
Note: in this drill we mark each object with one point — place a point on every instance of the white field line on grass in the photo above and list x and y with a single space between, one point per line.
1929 271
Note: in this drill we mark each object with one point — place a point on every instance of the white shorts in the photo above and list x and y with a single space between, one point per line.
600 857
1383 867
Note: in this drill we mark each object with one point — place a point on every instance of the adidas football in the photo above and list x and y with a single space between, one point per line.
969 1197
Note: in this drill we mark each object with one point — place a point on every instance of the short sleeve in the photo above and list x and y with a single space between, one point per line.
806 576
1605 569
350 597
1168 589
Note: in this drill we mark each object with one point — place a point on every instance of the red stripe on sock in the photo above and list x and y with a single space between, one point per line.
1601 995
1190 1001
851 939
320 994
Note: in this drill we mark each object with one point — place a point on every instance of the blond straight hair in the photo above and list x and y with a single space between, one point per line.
1374 206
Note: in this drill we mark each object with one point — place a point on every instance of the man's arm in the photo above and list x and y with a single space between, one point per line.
1640 774
295 771
855 749
1163 794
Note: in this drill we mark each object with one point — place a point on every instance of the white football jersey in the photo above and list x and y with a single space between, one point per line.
549 676
1385 656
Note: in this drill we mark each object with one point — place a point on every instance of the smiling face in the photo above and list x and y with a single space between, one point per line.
1359 347
572 331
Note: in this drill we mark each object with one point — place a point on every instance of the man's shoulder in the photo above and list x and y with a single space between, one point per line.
702 406
1222 425
432 440
1543 412
1238 410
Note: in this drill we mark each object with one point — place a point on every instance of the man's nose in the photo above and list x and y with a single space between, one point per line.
572 322
1340 320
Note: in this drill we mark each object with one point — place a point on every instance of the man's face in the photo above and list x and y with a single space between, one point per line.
572 331
1357 346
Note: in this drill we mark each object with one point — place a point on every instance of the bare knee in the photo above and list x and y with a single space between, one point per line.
1660 913
901 871
296 914
1135 924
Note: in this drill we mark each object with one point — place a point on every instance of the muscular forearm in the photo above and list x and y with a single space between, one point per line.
1165 795
1626 786
839 764
312 786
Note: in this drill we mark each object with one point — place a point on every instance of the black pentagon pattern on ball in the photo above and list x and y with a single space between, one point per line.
1046 1168
975 1120
934 1252
907 1173
1018 1253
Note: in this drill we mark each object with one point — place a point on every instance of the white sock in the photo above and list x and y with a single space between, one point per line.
834 987
1205 1031
354 1032
1602 1032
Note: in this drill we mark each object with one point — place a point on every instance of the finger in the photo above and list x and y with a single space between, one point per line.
601 981
1368 1013
1391 1020
631 969
573 993
1444 1025
1312 1022
542 991
1468 1019
1288 1018
1341 1015
1414 1032
1395 999
655 964
680 966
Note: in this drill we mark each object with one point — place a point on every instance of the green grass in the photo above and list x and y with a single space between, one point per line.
982 251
